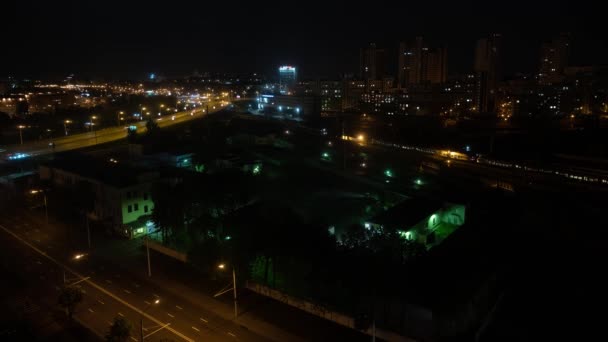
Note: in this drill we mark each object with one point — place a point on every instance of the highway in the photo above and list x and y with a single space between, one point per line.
105 135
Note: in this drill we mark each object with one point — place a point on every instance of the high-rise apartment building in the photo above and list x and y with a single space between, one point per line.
372 64
288 78
554 59
421 64
488 72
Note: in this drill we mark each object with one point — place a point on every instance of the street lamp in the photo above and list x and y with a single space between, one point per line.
21 127
65 127
119 117
91 127
141 318
222 266
46 211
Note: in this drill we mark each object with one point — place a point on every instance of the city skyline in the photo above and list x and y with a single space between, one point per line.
127 41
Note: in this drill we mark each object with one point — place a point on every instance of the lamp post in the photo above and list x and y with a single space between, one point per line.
141 318
222 267
46 211
91 127
21 127
119 117
65 125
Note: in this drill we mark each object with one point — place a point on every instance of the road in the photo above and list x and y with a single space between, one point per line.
109 292
118 285
76 141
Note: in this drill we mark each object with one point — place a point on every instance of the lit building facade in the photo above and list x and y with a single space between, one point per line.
288 77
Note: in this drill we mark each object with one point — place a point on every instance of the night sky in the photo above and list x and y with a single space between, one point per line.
127 39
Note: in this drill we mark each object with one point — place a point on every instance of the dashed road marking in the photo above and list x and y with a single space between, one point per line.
108 281
91 310
126 291
195 329
231 334
145 301
204 320
179 307
133 338
155 295
170 315
120 314
100 301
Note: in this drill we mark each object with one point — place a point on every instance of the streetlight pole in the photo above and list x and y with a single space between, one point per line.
65 127
148 253
236 311
21 127
46 210
141 319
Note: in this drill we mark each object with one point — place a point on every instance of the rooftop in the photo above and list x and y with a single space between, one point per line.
407 213
113 173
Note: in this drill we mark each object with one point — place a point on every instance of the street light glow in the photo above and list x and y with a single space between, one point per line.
221 266
79 256
157 301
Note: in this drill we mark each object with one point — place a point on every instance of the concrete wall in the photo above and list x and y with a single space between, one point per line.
321 311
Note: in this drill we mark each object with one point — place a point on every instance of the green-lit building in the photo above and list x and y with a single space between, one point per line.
121 193
422 220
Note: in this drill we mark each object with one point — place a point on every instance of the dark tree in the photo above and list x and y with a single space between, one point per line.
120 330
69 298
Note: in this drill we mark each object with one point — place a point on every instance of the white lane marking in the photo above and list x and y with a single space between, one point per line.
155 295
231 334
98 287
83 291
108 281
179 307
170 315
204 320
100 301
196 329
127 291
91 310
120 314
133 338
145 301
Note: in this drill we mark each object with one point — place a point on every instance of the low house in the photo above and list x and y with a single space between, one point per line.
121 193
422 220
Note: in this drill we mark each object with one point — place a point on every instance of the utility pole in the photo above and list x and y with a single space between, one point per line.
88 231
148 253
236 313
